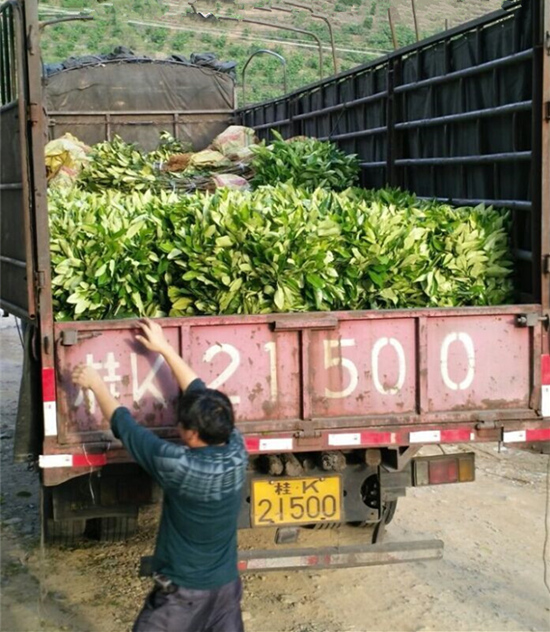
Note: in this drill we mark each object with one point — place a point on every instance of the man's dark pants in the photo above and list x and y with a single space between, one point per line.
186 610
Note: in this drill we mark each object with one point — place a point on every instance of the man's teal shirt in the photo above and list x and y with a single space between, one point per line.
197 540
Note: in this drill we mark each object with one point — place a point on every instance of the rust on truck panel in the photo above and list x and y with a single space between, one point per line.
338 423
418 367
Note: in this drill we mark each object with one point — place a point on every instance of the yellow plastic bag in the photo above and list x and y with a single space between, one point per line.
208 158
65 157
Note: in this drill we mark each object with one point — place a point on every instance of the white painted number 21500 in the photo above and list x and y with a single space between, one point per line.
334 358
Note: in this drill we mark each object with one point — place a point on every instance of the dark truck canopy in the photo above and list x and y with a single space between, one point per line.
17 256
137 98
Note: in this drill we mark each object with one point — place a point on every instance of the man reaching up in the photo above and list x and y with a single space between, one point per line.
197 586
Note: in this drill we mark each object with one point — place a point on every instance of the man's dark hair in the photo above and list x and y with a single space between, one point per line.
209 412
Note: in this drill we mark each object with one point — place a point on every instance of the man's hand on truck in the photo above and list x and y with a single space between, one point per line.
88 377
152 339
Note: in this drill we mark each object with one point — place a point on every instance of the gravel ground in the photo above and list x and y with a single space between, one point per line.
490 578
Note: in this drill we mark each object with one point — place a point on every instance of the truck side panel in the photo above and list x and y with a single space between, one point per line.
16 258
456 117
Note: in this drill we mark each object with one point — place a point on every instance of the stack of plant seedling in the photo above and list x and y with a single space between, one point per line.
122 166
276 249
127 242
304 162
105 263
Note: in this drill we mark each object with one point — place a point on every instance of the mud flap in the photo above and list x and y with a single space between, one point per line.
28 426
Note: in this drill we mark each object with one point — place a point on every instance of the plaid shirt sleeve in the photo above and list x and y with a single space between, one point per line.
140 442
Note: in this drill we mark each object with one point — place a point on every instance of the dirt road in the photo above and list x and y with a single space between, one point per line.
491 577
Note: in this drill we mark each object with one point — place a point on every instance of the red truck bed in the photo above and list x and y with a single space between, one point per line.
315 381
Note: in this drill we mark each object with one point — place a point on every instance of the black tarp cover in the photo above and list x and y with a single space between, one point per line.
140 100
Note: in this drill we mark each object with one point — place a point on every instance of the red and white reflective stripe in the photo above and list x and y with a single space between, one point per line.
50 406
71 460
344 439
545 385
373 438
350 439
425 436
342 557
458 435
280 444
378 438
526 436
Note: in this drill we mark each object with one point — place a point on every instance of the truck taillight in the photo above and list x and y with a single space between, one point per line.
448 468
466 468
444 471
545 385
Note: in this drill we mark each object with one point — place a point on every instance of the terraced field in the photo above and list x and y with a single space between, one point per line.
161 27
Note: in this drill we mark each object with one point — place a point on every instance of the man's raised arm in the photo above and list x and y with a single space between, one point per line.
87 377
154 340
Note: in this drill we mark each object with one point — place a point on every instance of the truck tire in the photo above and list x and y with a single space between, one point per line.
112 528
70 531
65 532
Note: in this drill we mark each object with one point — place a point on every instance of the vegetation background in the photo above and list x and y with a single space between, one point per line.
158 28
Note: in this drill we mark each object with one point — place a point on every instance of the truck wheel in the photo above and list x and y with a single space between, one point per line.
66 532
71 530
111 529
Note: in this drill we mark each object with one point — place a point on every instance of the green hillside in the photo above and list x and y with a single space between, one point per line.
160 27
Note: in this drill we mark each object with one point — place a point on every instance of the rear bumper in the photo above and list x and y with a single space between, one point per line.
319 558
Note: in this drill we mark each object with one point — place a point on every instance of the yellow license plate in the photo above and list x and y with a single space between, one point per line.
296 501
